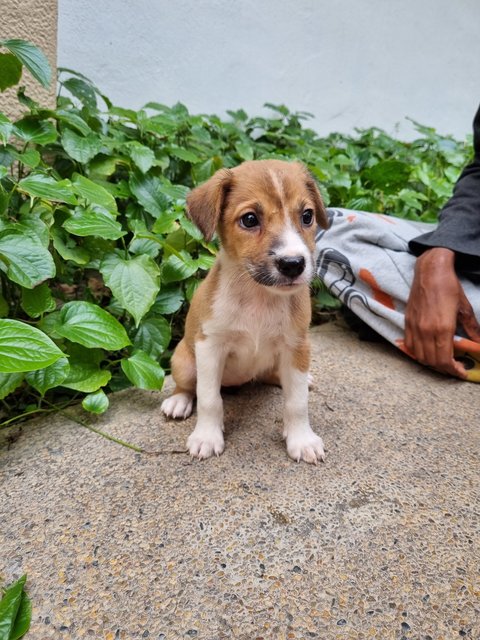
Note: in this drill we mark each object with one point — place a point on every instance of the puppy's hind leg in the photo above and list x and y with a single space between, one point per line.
180 403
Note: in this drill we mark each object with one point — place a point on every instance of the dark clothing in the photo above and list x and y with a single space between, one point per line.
459 220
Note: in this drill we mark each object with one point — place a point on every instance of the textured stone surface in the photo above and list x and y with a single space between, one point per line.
35 21
380 541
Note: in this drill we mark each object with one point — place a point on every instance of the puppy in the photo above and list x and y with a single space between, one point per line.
249 318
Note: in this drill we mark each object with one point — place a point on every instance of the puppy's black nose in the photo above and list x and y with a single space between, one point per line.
291 266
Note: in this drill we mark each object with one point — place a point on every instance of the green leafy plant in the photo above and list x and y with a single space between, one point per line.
97 258
15 611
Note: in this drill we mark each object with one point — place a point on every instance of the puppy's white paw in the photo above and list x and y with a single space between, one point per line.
306 446
178 406
203 443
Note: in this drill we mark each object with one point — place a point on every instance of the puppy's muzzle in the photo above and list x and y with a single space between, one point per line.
290 266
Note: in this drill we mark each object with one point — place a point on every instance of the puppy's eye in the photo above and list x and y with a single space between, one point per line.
249 220
307 217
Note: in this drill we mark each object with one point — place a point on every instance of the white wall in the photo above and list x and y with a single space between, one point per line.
352 63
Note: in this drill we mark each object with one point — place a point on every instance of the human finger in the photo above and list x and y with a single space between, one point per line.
467 319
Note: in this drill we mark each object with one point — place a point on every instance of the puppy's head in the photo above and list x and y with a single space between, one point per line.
266 213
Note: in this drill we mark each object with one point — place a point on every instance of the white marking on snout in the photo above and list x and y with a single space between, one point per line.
292 244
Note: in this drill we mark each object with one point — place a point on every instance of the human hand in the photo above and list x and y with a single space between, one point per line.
437 303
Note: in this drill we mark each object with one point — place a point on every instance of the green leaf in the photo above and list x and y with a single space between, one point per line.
153 336
31 224
33 58
388 174
89 325
85 377
175 269
96 402
162 125
168 300
133 282
147 190
201 172
93 193
97 248
30 129
325 299
413 199
176 192
44 186
6 161
37 301
205 261
9 382
191 228
139 246
190 288
103 165
184 154
165 223
31 158
9 607
83 91
85 374
143 371
26 261
23 619
74 120
67 249
10 70
80 148
244 150
48 324
6 128
94 221
44 379
126 114
25 348
43 212
141 155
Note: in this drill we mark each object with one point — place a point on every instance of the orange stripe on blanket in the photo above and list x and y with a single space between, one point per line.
400 342
378 295
467 345
385 218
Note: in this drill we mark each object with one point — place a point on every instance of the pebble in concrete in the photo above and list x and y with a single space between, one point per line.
380 541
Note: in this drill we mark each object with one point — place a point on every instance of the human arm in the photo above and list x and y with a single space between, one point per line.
437 302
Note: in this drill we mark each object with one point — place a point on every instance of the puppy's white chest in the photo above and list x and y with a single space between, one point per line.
252 335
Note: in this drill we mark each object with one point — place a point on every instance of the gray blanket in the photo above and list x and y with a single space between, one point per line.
363 259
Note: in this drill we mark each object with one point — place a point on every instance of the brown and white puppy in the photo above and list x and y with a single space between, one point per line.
249 318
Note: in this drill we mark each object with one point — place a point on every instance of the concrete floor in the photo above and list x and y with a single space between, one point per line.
380 541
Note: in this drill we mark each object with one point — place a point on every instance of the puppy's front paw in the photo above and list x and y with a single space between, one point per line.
306 446
203 443
178 406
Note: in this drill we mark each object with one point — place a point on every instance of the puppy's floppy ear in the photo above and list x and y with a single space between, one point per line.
205 203
320 213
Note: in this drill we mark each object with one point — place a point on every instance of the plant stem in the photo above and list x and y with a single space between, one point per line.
11 421
107 436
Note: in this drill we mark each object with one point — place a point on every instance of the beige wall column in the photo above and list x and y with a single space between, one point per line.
36 21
